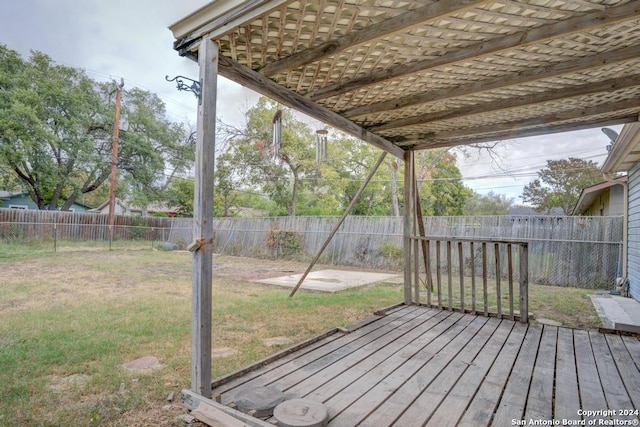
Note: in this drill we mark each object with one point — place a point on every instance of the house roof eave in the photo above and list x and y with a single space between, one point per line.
625 151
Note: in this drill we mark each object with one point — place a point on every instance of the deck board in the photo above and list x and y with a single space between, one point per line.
567 393
425 366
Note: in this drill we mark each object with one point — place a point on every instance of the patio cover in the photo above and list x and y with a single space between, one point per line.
406 75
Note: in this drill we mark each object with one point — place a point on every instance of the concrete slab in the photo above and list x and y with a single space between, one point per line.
618 312
330 280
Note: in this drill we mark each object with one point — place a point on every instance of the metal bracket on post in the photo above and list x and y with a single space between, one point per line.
195 87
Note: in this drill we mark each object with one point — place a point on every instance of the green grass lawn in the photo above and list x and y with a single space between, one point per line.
69 320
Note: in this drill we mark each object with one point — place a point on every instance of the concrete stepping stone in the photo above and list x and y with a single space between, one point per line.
143 364
301 413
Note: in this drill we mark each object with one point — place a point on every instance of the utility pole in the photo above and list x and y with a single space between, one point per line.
114 162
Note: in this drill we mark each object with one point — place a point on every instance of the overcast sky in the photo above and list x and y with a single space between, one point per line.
116 39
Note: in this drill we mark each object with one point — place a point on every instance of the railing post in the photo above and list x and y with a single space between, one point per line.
408 223
524 283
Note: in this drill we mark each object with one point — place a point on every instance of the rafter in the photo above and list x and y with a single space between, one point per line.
521 77
550 123
384 29
521 101
582 23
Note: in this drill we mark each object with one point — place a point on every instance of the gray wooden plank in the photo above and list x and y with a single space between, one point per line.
374 352
421 409
633 345
540 399
268 373
338 397
378 364
591 394
567 399
513 401
483 405
452 338
629 371
407 382
612 385
457 400
295 371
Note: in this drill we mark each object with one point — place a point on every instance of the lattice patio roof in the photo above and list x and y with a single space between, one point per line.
408 74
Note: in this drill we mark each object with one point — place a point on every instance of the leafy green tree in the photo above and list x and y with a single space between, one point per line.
442 192
56 132
559 184
489 204
180 193
281 176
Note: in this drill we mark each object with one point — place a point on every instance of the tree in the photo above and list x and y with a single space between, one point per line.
281 176
55 132
489 204
560 183
442 192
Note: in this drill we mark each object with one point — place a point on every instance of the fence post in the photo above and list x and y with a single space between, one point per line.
524 283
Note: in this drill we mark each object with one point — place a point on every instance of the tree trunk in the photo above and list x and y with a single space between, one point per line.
294 192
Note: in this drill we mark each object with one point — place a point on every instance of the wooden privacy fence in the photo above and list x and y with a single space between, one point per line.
564 251
472 276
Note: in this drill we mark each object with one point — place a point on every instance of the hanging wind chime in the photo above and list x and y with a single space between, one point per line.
321 145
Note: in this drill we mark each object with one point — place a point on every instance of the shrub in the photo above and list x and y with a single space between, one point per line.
285 243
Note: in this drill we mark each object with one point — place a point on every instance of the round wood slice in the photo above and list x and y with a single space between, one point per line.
301 413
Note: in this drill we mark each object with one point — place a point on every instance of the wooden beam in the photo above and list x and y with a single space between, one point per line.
521 77
202 246
546 120
400 23
409 218
543 129
543 126
261 84
193 401
521 101
536 35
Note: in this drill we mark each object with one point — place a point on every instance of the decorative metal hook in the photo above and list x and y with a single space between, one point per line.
195 87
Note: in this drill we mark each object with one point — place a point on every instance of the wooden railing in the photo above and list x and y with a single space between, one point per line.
475 276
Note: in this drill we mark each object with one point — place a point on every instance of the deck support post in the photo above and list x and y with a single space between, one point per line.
202 246
524 283
409 216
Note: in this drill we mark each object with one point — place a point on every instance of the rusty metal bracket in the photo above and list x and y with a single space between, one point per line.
196 245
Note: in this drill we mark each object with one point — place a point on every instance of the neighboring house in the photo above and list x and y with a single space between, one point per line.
21 200
123 208
624 156
603 199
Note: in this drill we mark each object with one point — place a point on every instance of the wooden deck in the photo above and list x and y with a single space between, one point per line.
417 366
